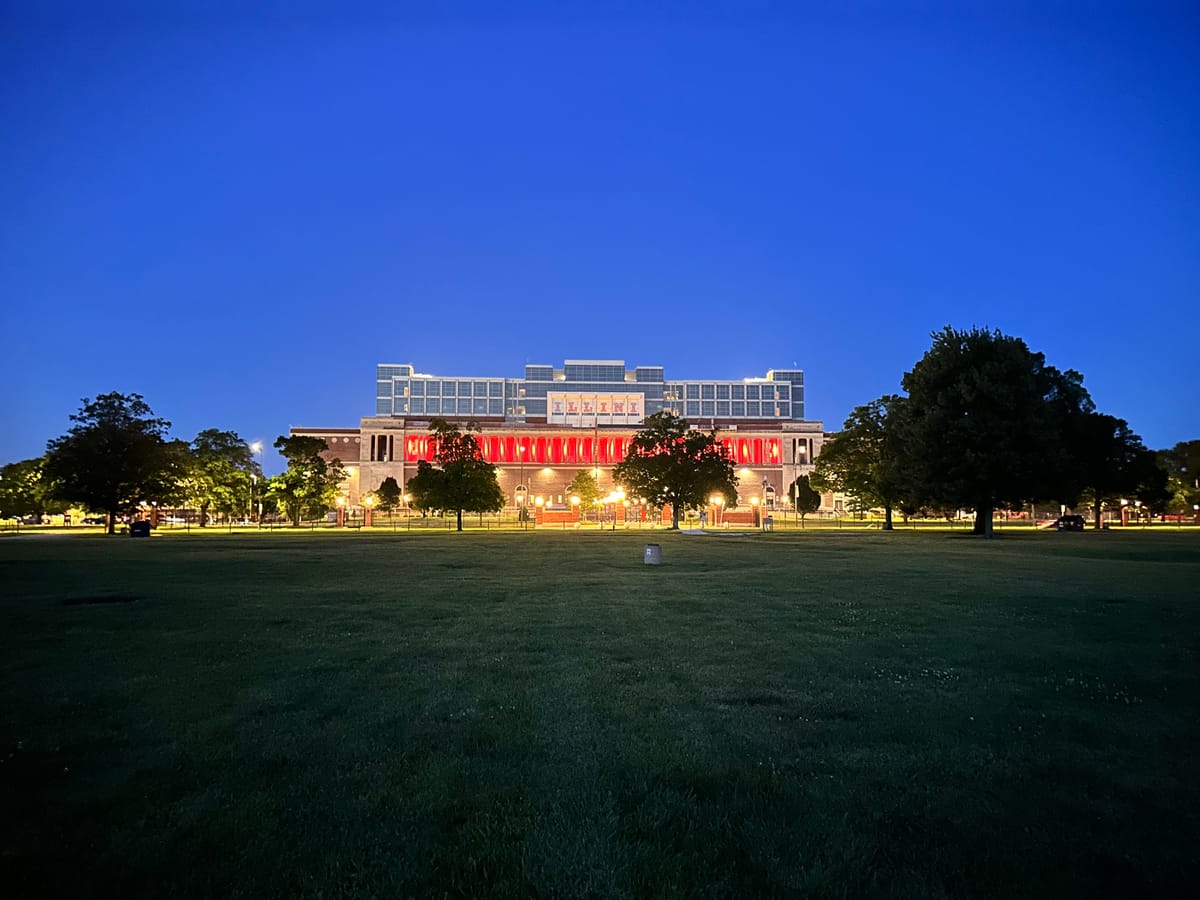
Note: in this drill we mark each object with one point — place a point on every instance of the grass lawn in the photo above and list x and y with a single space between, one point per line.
540 714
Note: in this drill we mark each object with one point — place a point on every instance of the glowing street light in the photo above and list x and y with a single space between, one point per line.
522 491
256 447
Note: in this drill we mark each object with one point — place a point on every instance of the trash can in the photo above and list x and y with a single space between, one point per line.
653 554
139 529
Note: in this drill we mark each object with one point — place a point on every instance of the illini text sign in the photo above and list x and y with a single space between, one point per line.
587 410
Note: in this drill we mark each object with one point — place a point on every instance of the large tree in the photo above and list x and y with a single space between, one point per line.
1153 484
669 463
114 457
1182 465
866 458
223 473
986 422
387 497
309 486
25 490
805 498
584 486
1108 462
459 479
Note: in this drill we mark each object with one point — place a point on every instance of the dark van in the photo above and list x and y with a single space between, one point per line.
1070 523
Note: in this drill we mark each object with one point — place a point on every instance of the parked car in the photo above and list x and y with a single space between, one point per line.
1070 523
94 520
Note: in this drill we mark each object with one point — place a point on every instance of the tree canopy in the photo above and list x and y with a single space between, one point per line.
310 485
669 463
1182 465
387 496
1109 462
986 423
25 491
584 486
805 497
459 479
114 457
222 474
866 458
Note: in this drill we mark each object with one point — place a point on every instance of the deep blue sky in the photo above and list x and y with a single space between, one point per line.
239 216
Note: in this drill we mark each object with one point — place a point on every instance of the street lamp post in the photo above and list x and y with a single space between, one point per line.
521 490
256 447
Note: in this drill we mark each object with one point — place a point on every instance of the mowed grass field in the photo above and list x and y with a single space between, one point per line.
541 714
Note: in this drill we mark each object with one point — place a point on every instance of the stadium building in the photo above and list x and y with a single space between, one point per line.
541 430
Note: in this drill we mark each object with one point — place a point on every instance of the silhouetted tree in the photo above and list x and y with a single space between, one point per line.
26 491
459 479
667 462
805 498
866 458
986 423
309 486
115 456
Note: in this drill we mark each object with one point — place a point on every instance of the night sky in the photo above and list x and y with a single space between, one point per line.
239 215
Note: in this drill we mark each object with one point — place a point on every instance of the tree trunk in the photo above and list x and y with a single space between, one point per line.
983 521
675 516
1097 507
203 515
887 518
459 516
112 523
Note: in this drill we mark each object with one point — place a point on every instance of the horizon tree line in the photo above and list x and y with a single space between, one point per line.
985 425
